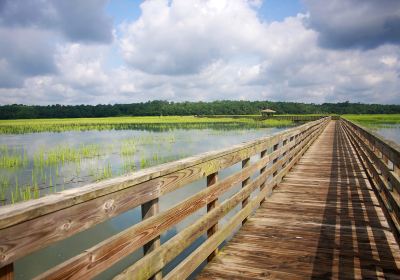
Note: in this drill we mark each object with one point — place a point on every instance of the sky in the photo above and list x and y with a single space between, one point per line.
126 51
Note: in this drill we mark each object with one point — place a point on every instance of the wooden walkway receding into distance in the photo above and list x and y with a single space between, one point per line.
322 221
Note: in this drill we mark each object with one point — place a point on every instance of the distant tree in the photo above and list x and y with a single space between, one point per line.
165 108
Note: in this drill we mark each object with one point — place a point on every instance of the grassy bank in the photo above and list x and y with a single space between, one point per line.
80 124
375 120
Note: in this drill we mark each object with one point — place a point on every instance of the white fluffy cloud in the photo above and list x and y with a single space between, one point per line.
183 37
205 50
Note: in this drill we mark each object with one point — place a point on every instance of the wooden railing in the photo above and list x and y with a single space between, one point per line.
30 226
296 118
381 159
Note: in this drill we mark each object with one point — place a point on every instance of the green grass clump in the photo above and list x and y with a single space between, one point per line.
105 172
65 154
273 122
374 120
12 157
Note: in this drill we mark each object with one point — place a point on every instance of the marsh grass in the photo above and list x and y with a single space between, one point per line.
64 154
47 170
12 157
378 120
156 123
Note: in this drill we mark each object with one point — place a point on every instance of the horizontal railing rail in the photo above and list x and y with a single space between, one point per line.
296 118
381 159
30 226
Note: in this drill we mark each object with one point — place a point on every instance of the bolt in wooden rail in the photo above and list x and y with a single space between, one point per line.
381 159
29 226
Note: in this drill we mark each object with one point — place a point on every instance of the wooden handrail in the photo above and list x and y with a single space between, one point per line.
29 226
381 159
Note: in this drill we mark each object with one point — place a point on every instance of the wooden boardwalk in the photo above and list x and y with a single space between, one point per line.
322 221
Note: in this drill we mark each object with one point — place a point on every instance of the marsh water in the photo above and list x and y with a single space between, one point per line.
48 162
390 132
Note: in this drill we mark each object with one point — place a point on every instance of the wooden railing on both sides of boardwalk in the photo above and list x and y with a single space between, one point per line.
30 226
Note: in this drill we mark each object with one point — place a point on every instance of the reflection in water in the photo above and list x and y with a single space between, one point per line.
391 132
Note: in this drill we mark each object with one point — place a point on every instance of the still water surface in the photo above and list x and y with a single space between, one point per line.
390 132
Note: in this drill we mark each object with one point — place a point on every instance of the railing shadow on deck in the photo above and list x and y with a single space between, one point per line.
351 233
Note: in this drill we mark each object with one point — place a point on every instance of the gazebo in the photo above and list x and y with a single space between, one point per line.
267 112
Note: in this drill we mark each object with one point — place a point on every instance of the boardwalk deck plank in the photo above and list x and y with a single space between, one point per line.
322 221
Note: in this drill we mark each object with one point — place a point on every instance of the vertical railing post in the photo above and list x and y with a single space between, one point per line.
276 159
150 209
7 272
211 180
262 186
245 182
284 153
291 148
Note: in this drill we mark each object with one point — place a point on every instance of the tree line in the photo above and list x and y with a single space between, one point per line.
166 108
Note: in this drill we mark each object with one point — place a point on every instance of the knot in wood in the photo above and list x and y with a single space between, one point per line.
67 225
3 258
109 206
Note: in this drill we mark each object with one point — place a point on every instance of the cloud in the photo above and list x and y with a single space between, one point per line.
31 30
83 21
360 24
182 37
193 50
23 53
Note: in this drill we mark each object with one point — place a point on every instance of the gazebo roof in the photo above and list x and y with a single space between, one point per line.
268 111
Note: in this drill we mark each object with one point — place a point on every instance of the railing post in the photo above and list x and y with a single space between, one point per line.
245 182
276 159
211 180
284 153
291 148
7 272
150 209
262 186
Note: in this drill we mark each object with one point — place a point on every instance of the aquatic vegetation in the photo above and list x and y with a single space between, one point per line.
64 154
12 158
148 123
128 148
54 163
128 166
105 172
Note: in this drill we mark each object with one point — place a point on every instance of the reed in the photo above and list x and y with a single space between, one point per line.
375 120
157 123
